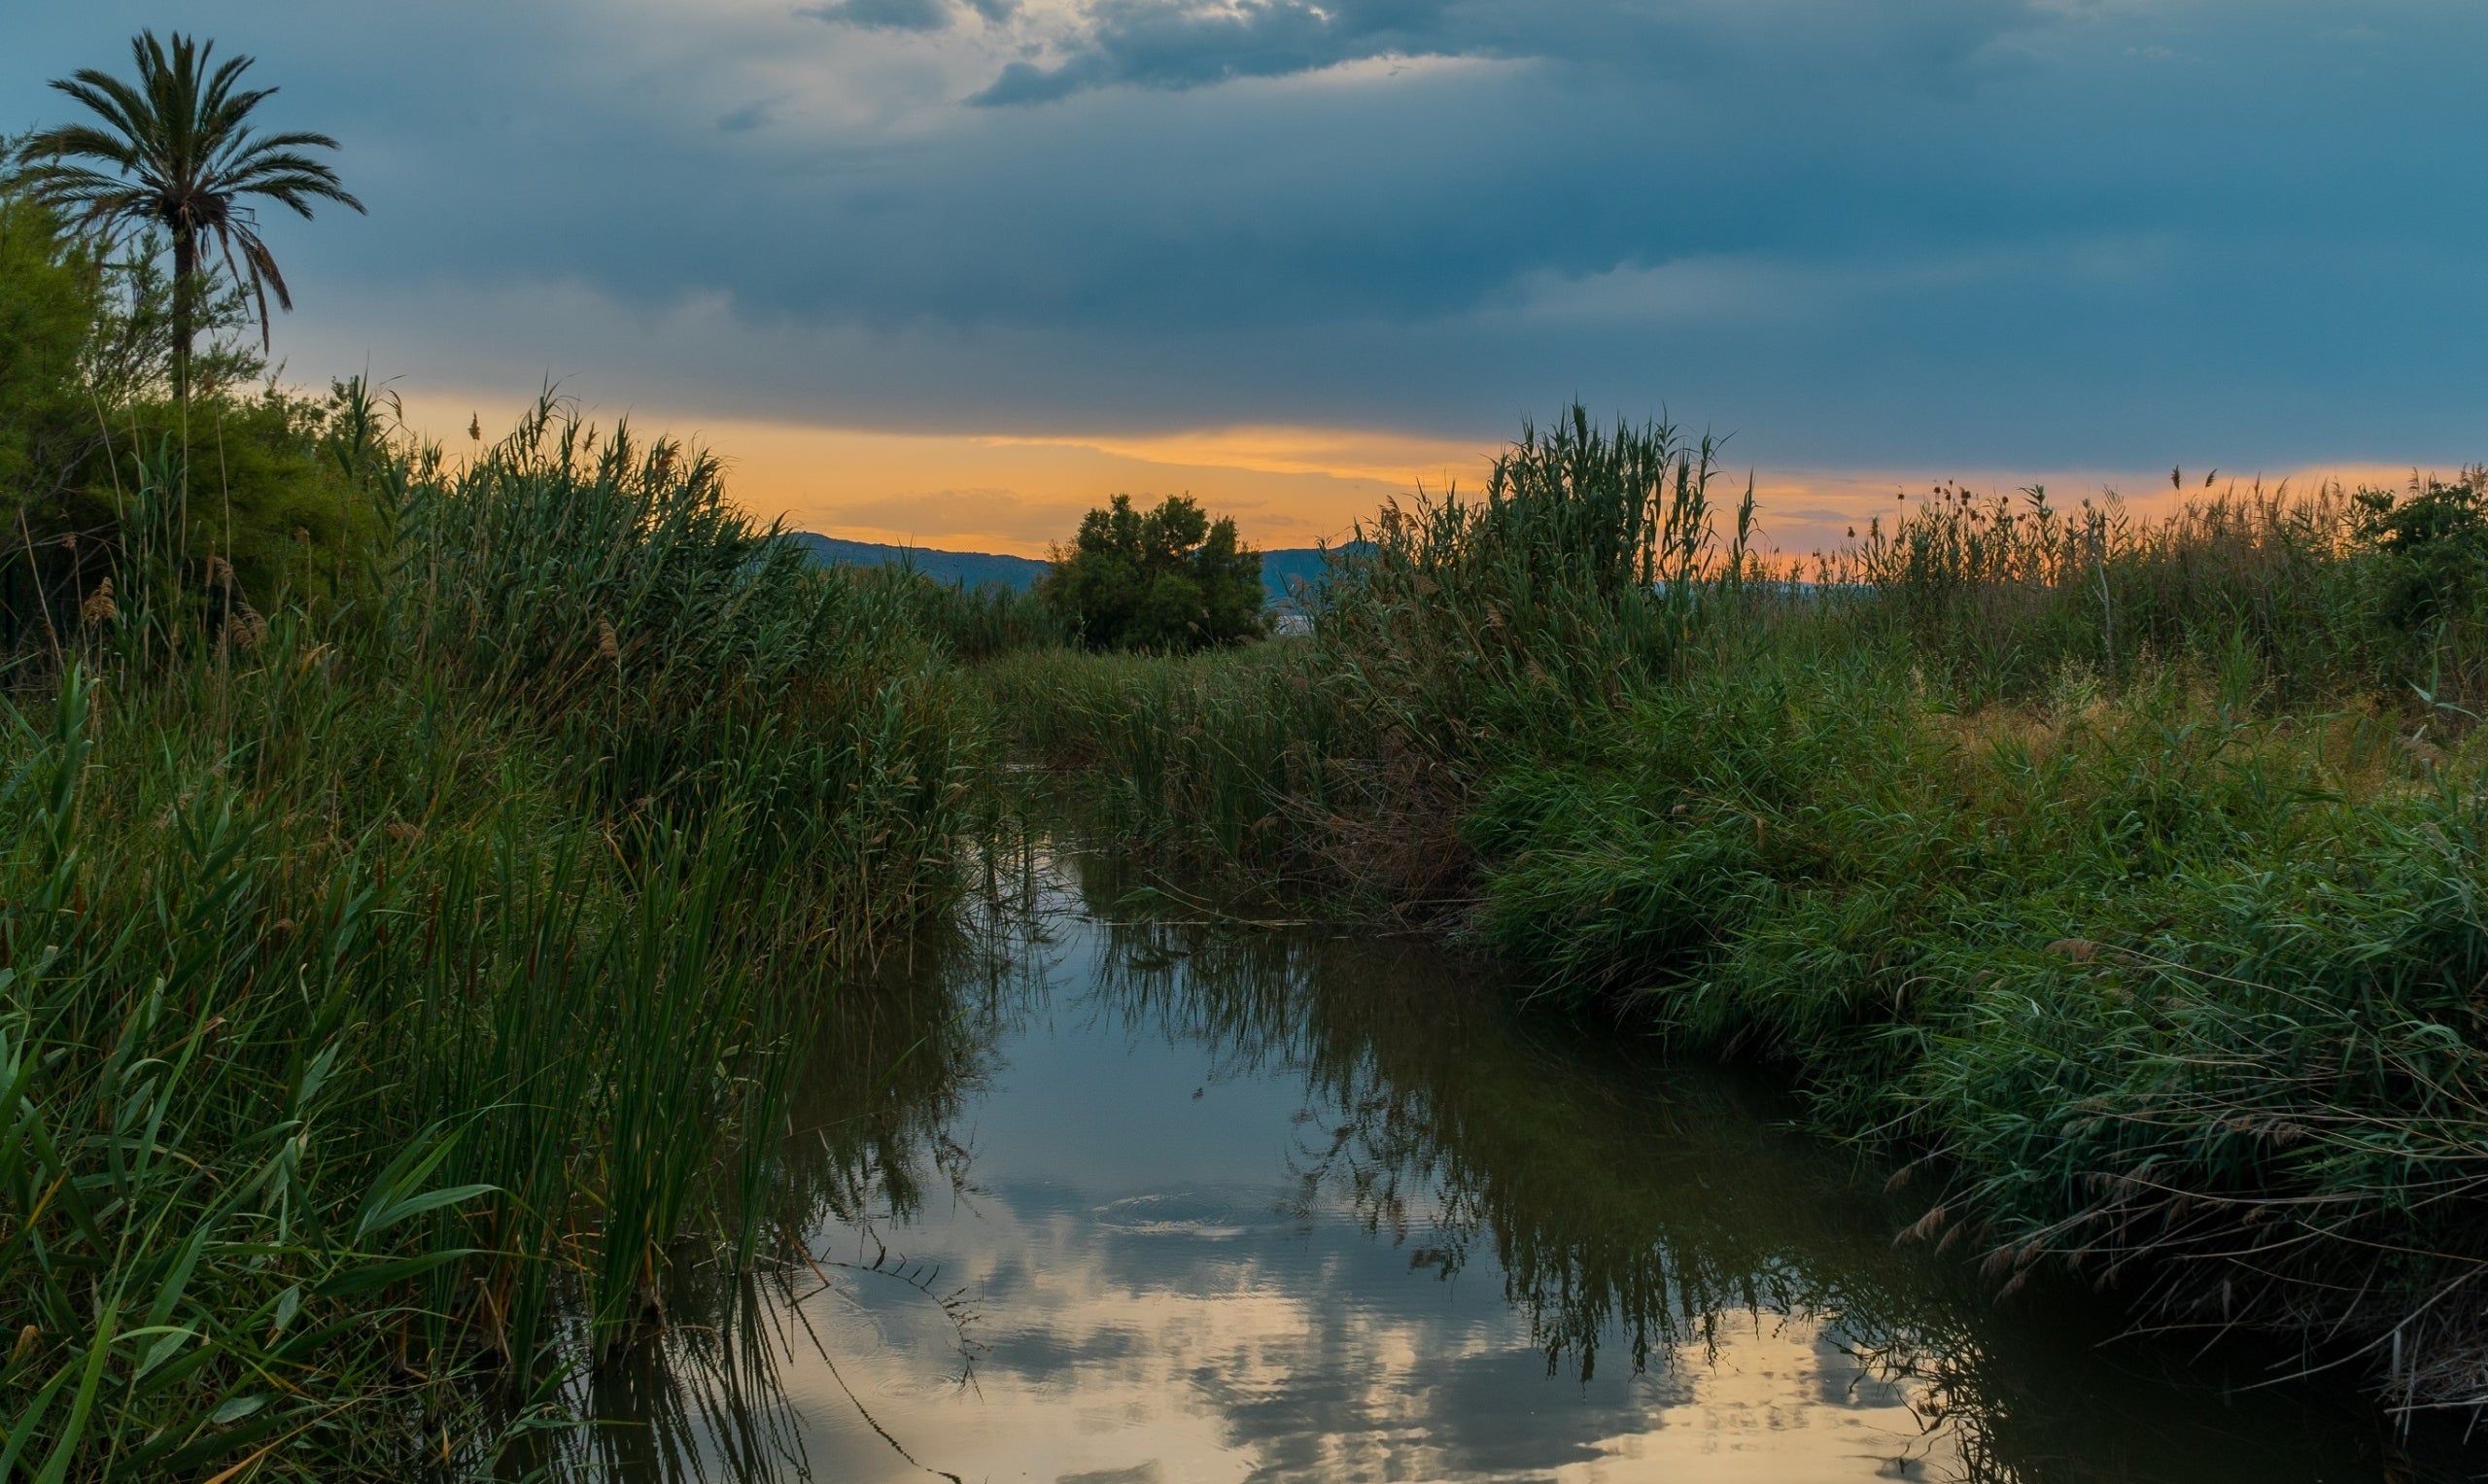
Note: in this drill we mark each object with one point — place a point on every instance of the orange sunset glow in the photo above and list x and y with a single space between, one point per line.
1286 486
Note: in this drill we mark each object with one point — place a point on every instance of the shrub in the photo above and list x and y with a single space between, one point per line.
1169 579
2434 541
238 501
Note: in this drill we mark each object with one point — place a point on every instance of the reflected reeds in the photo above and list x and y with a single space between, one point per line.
1638 1221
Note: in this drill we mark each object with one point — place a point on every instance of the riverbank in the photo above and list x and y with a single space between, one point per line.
2114 881
401 951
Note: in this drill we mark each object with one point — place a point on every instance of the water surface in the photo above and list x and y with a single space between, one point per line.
1081 1202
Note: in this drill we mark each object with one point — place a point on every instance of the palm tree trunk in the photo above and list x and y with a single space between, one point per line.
184 288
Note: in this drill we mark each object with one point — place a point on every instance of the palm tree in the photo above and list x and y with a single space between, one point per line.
181 155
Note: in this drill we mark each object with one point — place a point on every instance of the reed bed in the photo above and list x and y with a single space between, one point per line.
972 623
2114 879
393 982
2319 590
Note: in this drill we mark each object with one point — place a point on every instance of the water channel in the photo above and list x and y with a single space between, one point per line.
1084 1200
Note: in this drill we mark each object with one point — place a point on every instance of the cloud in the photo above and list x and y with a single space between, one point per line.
885 15
1181 44
1177 45
1938 234
984 512
916 16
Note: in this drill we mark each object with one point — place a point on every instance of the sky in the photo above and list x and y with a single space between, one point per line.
952 270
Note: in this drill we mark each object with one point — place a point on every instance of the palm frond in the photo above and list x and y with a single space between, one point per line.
300 139
263 278
176 151
124 107
80 139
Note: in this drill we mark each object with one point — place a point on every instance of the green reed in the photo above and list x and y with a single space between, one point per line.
2117 876
2002 592
971 622
391 983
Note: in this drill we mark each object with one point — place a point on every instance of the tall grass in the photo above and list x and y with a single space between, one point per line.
2313 589
2168 993
686 660
1448 631
976 623
1459 622
2116 877
391 986
1206 755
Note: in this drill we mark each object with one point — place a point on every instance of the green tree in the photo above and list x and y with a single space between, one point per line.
96 464
2433 545
51 307
1168 579
177 153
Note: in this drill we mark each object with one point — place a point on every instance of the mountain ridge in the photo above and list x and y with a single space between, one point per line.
1281 569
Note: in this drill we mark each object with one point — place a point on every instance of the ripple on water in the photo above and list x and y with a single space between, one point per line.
904 1340
1177 1213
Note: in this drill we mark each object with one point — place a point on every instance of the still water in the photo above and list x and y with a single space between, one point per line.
1083 1201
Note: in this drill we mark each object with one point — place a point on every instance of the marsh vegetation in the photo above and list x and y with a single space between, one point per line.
425 876
394 976
2112 879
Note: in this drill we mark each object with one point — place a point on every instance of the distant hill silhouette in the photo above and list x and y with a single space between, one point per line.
1280 569
968 568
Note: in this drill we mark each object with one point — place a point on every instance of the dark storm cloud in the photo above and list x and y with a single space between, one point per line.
2085 232
908 15
885 15
1184 44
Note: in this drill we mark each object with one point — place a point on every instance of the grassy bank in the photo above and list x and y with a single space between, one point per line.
2115 879
401 935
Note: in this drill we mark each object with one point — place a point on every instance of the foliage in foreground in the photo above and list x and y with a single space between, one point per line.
391 983
2122 878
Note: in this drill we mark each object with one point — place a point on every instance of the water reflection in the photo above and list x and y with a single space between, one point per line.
1082 1200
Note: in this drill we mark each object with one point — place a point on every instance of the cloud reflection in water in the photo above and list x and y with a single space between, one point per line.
1158 1202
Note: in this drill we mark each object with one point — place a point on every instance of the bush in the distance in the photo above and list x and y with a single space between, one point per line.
1169 579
